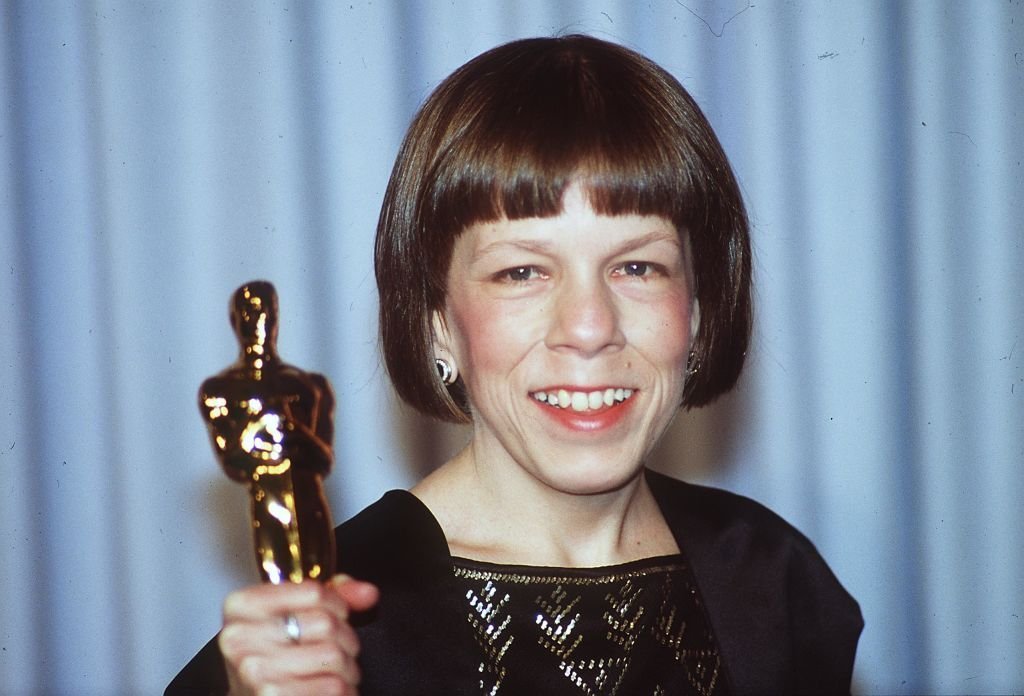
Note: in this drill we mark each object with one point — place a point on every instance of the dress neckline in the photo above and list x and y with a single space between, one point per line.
628 568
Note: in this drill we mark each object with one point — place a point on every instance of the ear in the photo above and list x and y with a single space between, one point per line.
448 367
441 337
694 320
691 282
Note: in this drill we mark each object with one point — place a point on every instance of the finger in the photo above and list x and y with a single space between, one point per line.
329 685
322 686
266 601
315 626
320 625
299 662
357 594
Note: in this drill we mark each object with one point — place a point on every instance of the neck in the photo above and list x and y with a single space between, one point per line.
504 515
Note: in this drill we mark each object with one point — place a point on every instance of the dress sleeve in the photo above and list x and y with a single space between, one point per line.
783 621
204 675
825 625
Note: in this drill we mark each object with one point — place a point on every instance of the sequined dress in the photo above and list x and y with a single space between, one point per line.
637 628
776 619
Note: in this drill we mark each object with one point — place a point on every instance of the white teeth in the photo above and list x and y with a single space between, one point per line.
583 401
563 398
580 402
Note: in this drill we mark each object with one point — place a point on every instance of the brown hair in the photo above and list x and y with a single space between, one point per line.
504 136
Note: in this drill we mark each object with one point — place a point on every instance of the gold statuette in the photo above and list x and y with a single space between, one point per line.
272 428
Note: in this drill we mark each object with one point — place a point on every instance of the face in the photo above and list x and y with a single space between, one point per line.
571 335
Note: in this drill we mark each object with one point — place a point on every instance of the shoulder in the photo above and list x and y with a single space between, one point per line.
784 621
713 515
395 539
394 510
414 641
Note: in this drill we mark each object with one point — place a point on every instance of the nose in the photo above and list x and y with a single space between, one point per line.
585 319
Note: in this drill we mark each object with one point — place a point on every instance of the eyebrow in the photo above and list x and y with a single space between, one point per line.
539 246
536 246
652 237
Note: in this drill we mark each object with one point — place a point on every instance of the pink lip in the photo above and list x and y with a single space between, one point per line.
586 421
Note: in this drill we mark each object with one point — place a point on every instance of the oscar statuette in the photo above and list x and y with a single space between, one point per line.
272 426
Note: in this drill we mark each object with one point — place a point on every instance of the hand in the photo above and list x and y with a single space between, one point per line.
262 658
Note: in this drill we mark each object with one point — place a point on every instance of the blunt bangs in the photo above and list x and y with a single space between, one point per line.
557 117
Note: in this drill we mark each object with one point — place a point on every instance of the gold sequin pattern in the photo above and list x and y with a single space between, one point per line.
635 629
490 619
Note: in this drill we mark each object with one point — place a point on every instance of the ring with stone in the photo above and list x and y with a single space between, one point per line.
292 628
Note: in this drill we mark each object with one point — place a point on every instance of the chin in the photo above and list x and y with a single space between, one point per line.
592 479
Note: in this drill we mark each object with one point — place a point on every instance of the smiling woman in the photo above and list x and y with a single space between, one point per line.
563 262
544 316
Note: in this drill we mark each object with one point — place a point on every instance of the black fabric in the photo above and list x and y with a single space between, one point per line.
784 623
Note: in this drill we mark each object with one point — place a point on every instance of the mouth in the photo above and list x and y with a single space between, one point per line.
583 401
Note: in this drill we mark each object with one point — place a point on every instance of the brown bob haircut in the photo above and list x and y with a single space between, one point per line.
503 137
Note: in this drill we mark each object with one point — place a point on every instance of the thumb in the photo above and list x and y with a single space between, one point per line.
358 594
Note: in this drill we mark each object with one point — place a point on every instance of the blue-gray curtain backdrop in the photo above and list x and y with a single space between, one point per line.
155 155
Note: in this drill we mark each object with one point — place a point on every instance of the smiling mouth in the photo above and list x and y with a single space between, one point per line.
583 401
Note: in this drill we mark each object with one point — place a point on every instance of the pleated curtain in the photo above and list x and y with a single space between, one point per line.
156 155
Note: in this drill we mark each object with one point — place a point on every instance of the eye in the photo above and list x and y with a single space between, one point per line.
638 269
519 274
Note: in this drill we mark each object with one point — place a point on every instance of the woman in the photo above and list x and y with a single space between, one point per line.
563 261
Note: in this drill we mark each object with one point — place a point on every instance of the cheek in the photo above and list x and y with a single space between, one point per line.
486 339
666 333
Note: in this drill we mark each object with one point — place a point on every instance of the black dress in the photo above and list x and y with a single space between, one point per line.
778 620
